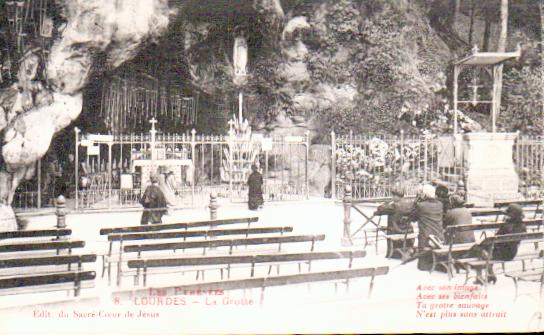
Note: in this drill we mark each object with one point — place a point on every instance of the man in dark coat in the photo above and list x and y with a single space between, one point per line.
458 215
397 213
255 189
428 212
512 225
502 251
154 203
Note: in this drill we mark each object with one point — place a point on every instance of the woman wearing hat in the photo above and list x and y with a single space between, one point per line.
458 215
512 225
397 213
154 203
428 212
503 251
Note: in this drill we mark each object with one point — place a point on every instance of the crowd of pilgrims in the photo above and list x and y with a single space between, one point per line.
434 209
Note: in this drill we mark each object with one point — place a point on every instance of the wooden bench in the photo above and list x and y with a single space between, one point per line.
145 264
180 234
34 262
231 243
41 246
445 255
47 282
57 233
263 282
482 265
174 226
205 244
532 275
522 203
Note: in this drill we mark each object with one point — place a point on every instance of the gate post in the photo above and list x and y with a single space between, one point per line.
306 164
346 238
333 165
76 172
110 144
401 158
231 165
193 158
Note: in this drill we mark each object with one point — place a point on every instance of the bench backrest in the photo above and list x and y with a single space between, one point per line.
268 258
223 243
46 279
261 282
54 245
196 233
51 260
181 225
489 225
518 237
34 233
533 202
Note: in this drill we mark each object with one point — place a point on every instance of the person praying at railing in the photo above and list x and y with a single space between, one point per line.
397 212
154 203
458 215
428 212
255 189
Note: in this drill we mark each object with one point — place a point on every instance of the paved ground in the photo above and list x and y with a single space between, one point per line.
392 307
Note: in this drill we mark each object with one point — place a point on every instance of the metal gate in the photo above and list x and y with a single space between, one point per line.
373 164
117 167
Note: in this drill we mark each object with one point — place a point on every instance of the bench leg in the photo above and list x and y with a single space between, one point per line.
376 240
262 296
389 252
433 266
103 265
137 277
516 286
119 274
371 286
467 274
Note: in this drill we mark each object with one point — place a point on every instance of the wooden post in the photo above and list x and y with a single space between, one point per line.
333 165
455 96
306 164
193 153
109 174
76 160
346 239
496 98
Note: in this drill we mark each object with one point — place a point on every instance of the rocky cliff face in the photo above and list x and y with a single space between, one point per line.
47 95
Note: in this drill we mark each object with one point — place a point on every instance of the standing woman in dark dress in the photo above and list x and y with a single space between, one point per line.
154 203
255 186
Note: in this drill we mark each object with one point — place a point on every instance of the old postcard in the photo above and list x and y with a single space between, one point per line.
271 166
